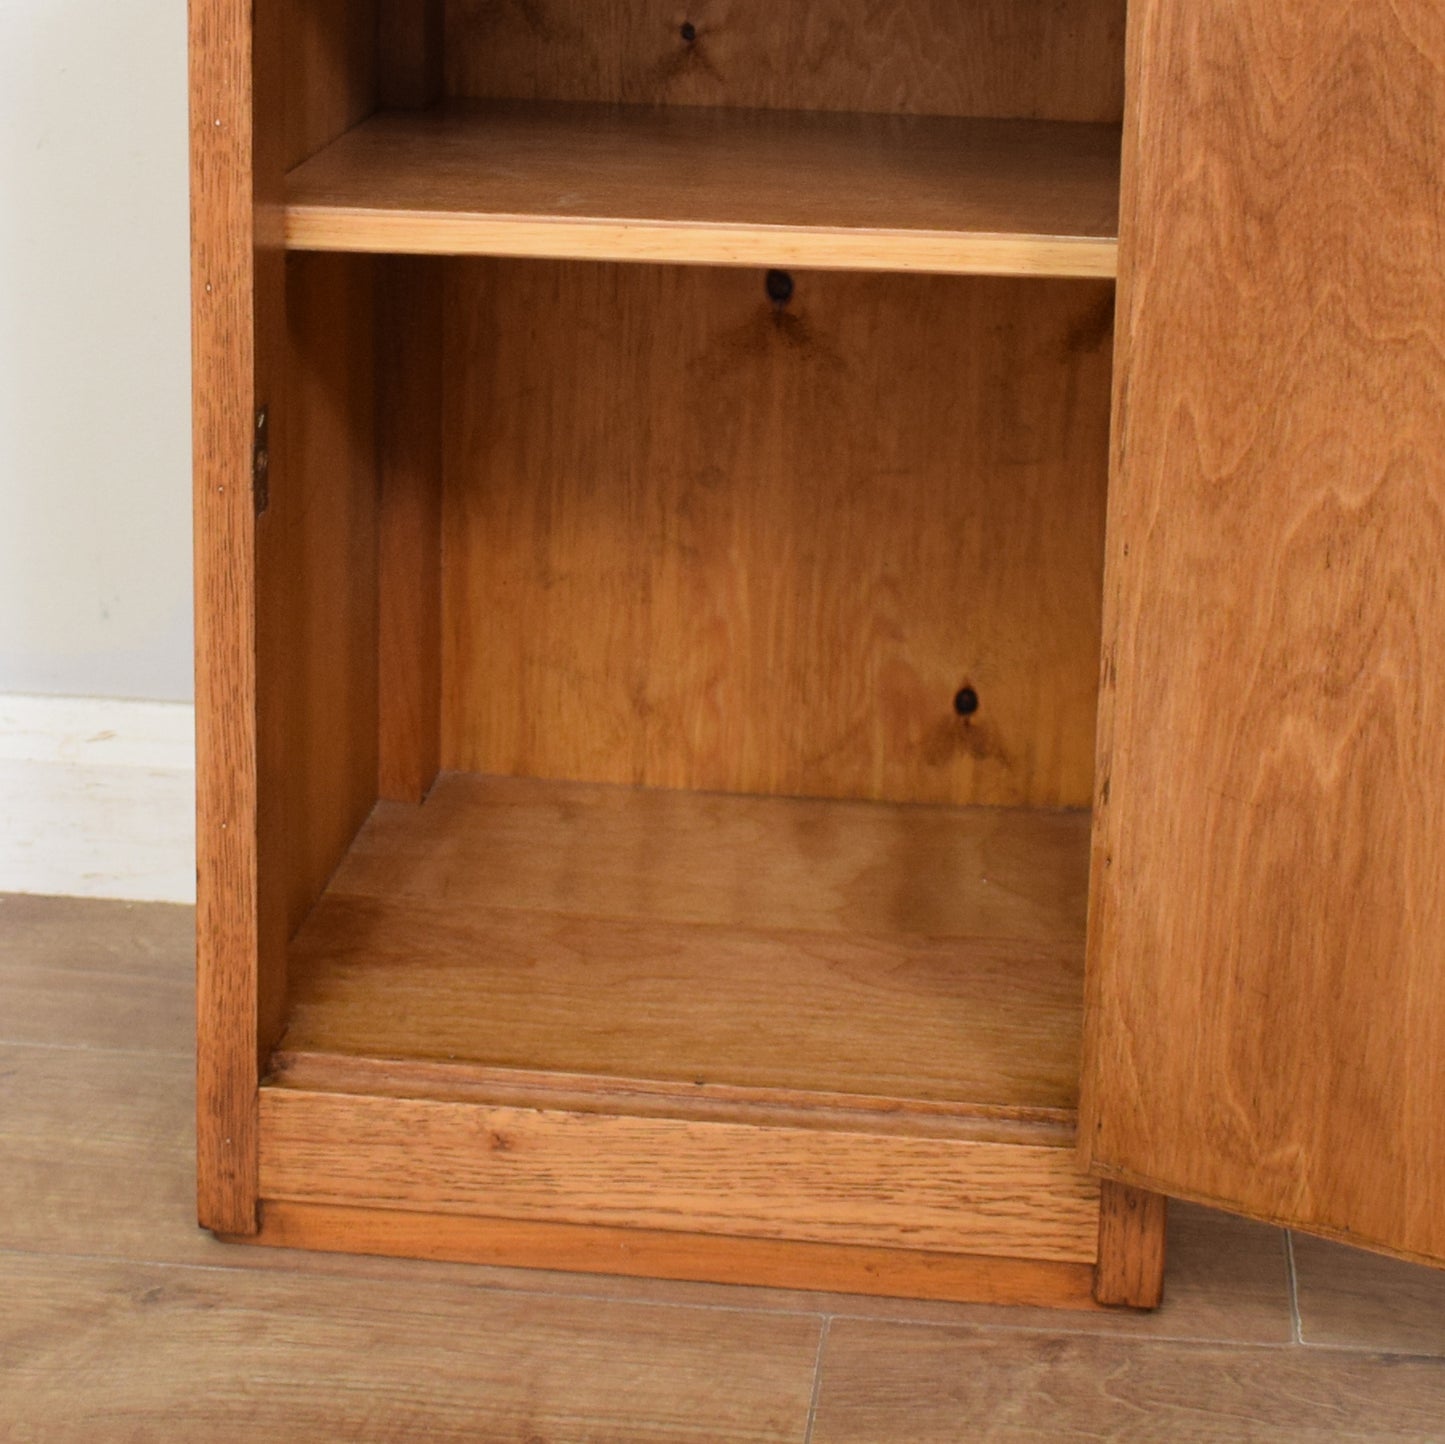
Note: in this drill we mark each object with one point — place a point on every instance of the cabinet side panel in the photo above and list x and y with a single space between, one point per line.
695 538
315 542
409 461
224 303
1047 59
1266 1020
317 575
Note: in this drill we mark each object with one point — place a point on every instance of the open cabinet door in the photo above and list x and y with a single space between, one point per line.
1266 994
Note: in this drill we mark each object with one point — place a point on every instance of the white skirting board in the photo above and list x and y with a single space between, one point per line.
97 798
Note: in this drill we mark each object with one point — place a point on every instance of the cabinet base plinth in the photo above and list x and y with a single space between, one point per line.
656 1253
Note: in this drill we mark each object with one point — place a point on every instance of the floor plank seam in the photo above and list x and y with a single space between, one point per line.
182 1055
362 1275
1292 1275
1047 1328
817 1379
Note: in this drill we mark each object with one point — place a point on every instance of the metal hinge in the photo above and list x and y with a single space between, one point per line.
261 461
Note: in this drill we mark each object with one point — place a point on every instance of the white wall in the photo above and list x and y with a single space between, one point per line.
94 429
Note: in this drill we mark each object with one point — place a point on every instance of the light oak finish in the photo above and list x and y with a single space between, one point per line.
729 861
758 188
1131 1247
532 1088
816 1185
665 1255
1266 1017
409 532
1060 60
696 540
763 943
655 526
950 1021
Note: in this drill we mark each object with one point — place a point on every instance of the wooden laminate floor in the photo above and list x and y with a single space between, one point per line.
120 1321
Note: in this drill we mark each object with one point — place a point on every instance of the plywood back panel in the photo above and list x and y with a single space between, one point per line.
696 539
1051 59
328 52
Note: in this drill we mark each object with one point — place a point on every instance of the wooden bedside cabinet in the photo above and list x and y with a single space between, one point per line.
754 722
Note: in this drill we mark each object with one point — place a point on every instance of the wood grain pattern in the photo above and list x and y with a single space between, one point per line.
760 943
98 973
804 865
1051 59
1352 1299
1266 1003
98 1148
755 188
1130 1270
696 540
940 1385
990 1025
659 1254
409 466
547 1165
455 1081
232 983
102 1350
268 83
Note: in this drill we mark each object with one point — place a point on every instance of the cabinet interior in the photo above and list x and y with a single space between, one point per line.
677 680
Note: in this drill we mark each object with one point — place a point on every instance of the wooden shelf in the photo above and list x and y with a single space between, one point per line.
730 948
730 187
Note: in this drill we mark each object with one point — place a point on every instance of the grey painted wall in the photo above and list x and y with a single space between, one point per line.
95 581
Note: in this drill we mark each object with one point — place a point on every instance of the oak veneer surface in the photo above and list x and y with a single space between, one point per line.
1047 59
695 539
268 83
756 942
241 986
855 1186
705 185
1267 996
664 1254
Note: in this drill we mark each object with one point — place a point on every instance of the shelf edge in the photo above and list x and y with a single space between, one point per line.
311 227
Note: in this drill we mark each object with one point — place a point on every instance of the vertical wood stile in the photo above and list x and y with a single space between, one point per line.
1130 1270
224 296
